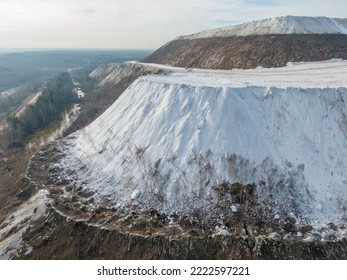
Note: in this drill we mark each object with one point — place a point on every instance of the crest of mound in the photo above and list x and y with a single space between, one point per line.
268 43
278 25
177 143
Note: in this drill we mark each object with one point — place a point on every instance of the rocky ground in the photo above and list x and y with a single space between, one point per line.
75 227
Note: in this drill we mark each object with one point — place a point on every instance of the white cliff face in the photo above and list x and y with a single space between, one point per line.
169 139
278 25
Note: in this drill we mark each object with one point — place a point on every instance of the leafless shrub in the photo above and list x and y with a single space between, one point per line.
173 158
140 151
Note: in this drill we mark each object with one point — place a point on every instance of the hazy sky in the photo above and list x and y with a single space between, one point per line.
136 23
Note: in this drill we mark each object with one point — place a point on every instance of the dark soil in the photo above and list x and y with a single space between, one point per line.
250 51
71 229
14 186
59 237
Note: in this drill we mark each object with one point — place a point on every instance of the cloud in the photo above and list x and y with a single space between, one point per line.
87 11
225 22
135 23
262 2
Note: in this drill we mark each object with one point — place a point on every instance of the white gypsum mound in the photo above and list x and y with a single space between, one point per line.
170 139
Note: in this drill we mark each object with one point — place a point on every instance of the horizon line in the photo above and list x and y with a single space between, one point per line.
4 50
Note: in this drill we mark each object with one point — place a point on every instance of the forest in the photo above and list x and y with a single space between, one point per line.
56 97
20 67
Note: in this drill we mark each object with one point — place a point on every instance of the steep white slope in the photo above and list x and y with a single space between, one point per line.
278 25
111 74
170 139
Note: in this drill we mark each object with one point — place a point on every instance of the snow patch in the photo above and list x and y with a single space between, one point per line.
16 223
135 194
222 231
234 208
278 25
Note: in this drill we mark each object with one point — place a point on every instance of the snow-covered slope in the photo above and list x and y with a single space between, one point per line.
278 25
170 139
112 74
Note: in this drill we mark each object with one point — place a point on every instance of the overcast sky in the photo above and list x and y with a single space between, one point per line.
136 23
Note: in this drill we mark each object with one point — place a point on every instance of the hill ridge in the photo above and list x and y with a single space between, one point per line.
277 25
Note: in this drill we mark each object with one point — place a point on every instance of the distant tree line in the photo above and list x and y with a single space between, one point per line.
19 68
57 96
11 101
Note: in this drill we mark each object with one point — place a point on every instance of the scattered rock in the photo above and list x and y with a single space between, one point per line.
234 208
138 225
306 228
289 237
310 238
25 193
135 194
223 232
332 226
274 236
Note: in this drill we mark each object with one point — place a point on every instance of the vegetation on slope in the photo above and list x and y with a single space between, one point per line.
57 96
